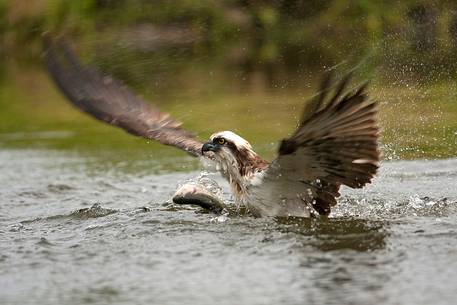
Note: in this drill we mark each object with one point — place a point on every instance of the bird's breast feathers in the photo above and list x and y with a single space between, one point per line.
266 197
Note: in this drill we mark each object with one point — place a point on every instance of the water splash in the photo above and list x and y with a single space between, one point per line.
384 208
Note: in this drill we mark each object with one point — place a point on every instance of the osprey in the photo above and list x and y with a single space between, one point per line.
335 143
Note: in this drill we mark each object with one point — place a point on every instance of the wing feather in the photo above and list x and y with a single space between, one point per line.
110 101
335 144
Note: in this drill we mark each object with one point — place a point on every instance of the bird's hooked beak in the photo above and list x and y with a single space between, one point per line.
209 146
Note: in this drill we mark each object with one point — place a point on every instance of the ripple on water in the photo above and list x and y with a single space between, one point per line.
59 188
44 242
337 234
95 211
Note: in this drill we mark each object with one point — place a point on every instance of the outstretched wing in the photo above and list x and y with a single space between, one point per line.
110 101
335 143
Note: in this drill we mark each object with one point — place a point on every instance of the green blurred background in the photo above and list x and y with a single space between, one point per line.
246 66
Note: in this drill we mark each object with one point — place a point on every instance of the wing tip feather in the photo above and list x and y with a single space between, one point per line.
108 100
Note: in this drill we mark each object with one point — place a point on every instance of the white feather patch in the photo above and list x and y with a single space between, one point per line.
232 137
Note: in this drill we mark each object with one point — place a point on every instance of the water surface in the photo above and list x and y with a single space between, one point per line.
75 232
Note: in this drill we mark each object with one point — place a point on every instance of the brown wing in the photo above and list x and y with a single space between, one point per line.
335 143
110 101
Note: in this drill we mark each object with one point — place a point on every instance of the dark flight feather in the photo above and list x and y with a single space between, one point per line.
336 143
110 101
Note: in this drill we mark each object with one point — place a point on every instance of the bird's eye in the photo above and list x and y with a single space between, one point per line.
221 141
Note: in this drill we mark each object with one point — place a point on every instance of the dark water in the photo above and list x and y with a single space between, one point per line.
75 233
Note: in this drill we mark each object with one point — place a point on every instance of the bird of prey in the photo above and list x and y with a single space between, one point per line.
335 143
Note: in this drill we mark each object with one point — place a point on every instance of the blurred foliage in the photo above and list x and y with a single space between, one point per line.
274 37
